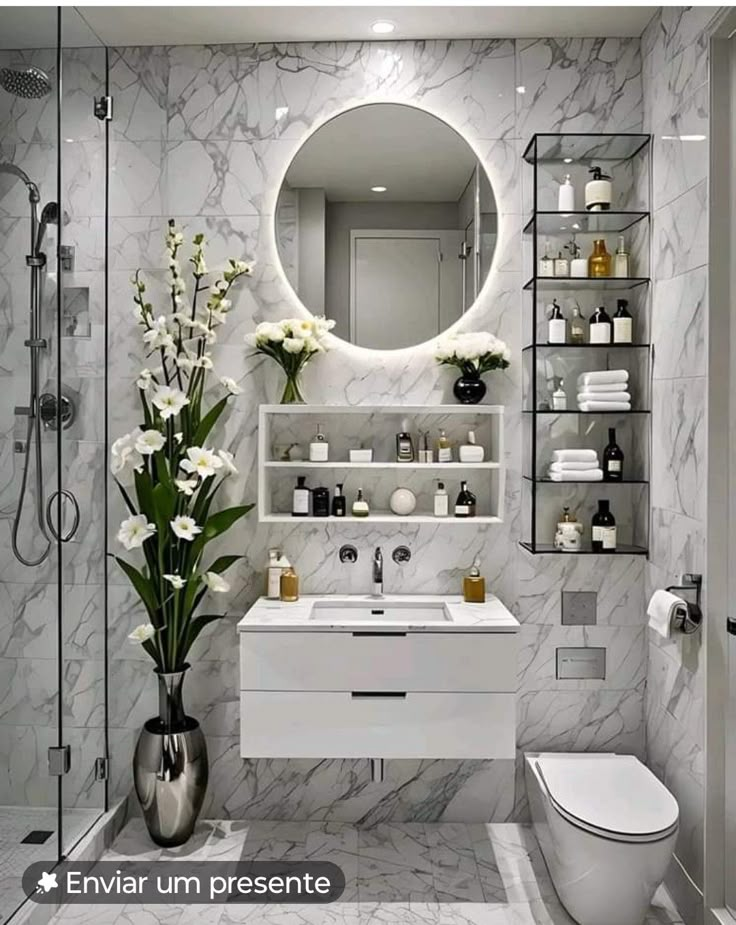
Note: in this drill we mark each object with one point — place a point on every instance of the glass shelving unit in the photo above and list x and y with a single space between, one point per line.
627 158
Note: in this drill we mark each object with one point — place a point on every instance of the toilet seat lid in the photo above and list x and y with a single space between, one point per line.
612 793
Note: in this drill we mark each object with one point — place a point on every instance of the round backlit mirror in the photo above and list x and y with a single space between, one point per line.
386 222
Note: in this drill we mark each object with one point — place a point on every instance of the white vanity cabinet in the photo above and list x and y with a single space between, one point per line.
359 689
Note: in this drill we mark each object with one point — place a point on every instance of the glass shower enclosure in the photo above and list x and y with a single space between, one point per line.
53 308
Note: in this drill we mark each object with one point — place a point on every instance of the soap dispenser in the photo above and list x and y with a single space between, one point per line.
360 505
474 585
598 191
556 324
470 452
338 502
319 448
404 444
578 264
566 196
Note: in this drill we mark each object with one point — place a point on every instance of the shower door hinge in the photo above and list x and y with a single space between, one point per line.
102 768
60 760
103 108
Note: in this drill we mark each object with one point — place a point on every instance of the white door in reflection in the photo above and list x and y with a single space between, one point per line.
405 286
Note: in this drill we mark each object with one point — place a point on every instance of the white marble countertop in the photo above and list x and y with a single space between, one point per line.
489 617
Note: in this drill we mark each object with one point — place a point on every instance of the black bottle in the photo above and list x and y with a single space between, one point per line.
613 459
338 502
604 529
622 323
601 327
465 504
321 502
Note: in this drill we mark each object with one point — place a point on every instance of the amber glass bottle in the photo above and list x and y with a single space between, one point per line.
599 262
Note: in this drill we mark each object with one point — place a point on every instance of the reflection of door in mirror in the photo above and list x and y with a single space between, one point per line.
401 179
403 286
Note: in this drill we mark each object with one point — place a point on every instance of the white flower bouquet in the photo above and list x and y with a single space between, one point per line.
474 354
175 474
291 343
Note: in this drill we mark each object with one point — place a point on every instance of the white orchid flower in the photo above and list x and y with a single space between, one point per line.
149 442
228 462
215 582
144 380
134 531
185 527
176 581
142 633
201 462
301 328
204 362
178 437
124 453
169 401
231 385
186 486
158 336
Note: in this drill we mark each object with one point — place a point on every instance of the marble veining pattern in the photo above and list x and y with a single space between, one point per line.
411 874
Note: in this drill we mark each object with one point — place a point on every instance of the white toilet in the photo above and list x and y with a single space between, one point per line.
607 830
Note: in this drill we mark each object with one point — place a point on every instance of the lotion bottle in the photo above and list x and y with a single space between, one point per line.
474 585
276 565
301 501
566 197
404 444
338 502
622 324
578 264
360 505
441 501
444 448
546 263
621 262
562 265
556 325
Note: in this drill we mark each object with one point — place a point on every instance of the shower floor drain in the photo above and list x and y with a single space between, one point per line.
37 837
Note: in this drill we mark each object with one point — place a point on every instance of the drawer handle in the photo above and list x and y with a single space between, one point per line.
377 633
378 695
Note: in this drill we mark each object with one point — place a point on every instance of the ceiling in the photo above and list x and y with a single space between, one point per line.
381 145
203 24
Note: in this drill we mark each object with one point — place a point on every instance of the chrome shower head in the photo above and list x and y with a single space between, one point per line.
27 82
49 216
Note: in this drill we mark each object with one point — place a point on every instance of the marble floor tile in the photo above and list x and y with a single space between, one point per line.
397 874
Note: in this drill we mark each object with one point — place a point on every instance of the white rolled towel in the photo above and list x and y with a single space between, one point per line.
603 396
573 466
605 406
603 376
559 456
586 475
604 387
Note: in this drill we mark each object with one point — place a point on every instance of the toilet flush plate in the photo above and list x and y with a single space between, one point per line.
585 663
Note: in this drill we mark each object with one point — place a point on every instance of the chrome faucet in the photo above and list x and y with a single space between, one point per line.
378 572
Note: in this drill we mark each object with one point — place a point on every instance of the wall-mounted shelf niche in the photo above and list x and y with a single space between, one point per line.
376 426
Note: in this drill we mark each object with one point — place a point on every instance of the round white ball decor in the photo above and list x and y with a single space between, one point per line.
403 501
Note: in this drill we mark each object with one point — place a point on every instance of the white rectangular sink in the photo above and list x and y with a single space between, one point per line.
379 611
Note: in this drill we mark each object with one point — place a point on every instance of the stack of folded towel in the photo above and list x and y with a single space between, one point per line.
604 390
575 466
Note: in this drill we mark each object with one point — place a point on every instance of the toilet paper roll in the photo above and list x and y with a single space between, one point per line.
660 611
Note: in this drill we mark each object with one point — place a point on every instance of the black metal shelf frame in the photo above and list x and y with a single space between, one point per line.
559 148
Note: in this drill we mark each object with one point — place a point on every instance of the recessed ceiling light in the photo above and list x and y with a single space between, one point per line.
383 26
521 89
378 189
281 112
567 160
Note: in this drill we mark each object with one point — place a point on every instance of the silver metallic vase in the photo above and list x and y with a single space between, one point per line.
170 766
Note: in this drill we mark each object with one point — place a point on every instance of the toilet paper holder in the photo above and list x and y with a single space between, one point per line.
688 619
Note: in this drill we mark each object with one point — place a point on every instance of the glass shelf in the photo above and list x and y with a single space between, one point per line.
546 481
549 548
585 347
575 411
566 283
584 147
583 222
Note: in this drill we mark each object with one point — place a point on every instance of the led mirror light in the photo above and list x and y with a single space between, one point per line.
383 27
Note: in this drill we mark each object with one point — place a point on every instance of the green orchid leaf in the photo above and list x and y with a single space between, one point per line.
223 564
144 493
208 422
143 587
218 524
164 507
126 498
196 626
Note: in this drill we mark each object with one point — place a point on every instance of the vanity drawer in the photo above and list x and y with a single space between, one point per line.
349 661
289 724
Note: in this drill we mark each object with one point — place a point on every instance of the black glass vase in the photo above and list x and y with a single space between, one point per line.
469 390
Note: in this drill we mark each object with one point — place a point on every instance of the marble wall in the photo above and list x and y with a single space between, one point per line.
205 134
675 50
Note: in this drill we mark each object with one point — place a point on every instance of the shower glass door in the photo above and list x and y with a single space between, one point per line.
80 508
